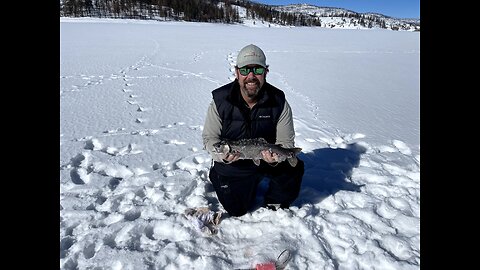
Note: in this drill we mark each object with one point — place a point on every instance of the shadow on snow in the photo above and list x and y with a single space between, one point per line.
327 171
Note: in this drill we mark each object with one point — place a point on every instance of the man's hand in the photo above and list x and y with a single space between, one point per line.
230 157
269 156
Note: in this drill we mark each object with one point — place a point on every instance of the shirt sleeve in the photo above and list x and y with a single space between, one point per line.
285 128
212 130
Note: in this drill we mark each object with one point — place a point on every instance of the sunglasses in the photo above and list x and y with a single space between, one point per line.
256 70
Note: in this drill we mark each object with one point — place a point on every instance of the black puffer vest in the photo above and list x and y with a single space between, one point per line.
241 122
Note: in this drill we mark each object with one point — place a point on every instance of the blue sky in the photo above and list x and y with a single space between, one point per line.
392 8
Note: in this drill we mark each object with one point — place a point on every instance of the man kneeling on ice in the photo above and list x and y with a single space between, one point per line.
251 108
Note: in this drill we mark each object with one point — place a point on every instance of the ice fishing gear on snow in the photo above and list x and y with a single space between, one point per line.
204 219
279 264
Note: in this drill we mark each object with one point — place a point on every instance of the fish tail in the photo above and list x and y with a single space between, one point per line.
292 161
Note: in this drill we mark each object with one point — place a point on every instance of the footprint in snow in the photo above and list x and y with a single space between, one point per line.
129 149
145 132
402 147
111 131
174 141
95 145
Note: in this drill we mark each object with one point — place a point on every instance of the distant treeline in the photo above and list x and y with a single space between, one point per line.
187 10
224 11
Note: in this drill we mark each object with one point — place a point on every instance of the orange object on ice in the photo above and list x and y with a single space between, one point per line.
265 266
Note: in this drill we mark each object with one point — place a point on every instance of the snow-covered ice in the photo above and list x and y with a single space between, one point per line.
133 98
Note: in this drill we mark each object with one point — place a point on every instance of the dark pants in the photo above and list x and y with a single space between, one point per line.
236 188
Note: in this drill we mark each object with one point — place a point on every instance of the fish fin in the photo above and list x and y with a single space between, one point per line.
256 161
262 140
293 161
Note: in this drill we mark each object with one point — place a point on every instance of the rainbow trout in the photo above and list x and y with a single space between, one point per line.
252 149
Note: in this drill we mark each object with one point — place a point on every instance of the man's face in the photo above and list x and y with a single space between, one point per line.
251 78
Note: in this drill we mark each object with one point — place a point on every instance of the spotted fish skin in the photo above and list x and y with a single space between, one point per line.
252 149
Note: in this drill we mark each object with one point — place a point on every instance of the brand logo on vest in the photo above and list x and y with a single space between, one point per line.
264 116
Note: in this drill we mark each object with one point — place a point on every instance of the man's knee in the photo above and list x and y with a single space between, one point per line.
285 185
235 194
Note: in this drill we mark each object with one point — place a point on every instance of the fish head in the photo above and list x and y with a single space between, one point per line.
221 147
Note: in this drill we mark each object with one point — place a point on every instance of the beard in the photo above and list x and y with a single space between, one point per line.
250 87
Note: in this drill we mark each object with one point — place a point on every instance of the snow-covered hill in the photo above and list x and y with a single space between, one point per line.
332 17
